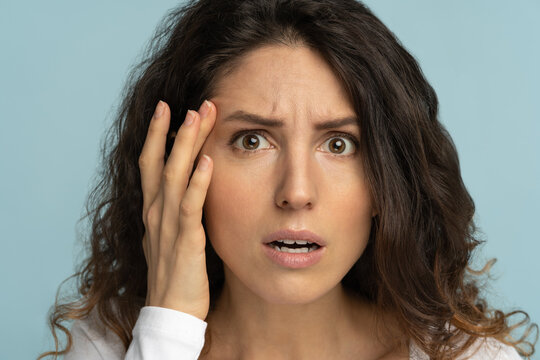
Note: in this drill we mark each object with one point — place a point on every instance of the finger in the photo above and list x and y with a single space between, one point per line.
207 112
152 154
145 248
152 229
176 174
191 206
149 262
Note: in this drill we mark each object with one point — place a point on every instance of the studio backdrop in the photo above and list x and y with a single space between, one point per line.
63 65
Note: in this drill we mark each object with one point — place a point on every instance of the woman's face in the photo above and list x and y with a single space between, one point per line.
295 176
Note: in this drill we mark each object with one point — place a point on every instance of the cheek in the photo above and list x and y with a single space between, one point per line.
351 213
352 201
232 205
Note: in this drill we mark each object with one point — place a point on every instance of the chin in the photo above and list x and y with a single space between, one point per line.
288 288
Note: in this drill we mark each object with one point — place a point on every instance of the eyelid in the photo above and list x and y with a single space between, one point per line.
331 135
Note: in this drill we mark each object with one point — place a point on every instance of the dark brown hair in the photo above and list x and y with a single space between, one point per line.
416 264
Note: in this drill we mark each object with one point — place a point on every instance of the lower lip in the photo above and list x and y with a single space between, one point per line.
294 260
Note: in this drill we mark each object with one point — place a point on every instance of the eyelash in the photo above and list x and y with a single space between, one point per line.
241 133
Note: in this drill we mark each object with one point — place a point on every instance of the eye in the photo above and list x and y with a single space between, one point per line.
342 145
248 141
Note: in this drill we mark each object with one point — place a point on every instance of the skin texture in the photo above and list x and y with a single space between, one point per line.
296 177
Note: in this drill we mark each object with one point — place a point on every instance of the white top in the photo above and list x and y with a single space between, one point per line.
164 334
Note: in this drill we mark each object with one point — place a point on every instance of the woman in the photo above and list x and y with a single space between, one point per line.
312 207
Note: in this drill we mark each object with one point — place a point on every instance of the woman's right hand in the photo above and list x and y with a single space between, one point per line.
174 240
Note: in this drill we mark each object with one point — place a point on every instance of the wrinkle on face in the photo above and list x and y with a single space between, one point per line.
325 193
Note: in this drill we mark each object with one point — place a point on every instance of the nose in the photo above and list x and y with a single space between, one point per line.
296 188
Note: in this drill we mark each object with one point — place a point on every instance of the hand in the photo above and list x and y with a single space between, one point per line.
174 241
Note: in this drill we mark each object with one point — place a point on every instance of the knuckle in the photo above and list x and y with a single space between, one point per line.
153 216
169 176
155 129
187 209
197 181
144 162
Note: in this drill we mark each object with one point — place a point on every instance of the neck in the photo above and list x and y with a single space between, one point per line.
245 326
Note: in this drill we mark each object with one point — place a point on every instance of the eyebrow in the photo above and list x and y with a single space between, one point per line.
277 123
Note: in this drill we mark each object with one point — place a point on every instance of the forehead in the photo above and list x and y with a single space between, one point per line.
279 80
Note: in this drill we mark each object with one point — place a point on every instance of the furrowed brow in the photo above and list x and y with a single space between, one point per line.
243 116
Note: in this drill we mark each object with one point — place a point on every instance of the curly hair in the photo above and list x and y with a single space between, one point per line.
416 264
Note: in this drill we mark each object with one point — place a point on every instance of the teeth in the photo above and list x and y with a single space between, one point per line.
295 251
290 242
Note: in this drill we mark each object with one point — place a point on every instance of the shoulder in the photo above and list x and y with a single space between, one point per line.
490 348
482 349
91 336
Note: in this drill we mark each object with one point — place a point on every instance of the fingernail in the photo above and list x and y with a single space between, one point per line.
189 117
205 108
159 108
204 162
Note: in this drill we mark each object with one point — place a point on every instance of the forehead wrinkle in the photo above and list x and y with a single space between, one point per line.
275 101
325 123
279 95
275 98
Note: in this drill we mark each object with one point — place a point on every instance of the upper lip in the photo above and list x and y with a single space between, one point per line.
289 234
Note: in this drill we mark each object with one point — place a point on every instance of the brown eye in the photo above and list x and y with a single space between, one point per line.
340 146
250 142
337 145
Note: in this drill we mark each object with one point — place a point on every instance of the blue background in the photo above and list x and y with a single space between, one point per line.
63 65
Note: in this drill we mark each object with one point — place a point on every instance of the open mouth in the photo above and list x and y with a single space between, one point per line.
294 246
